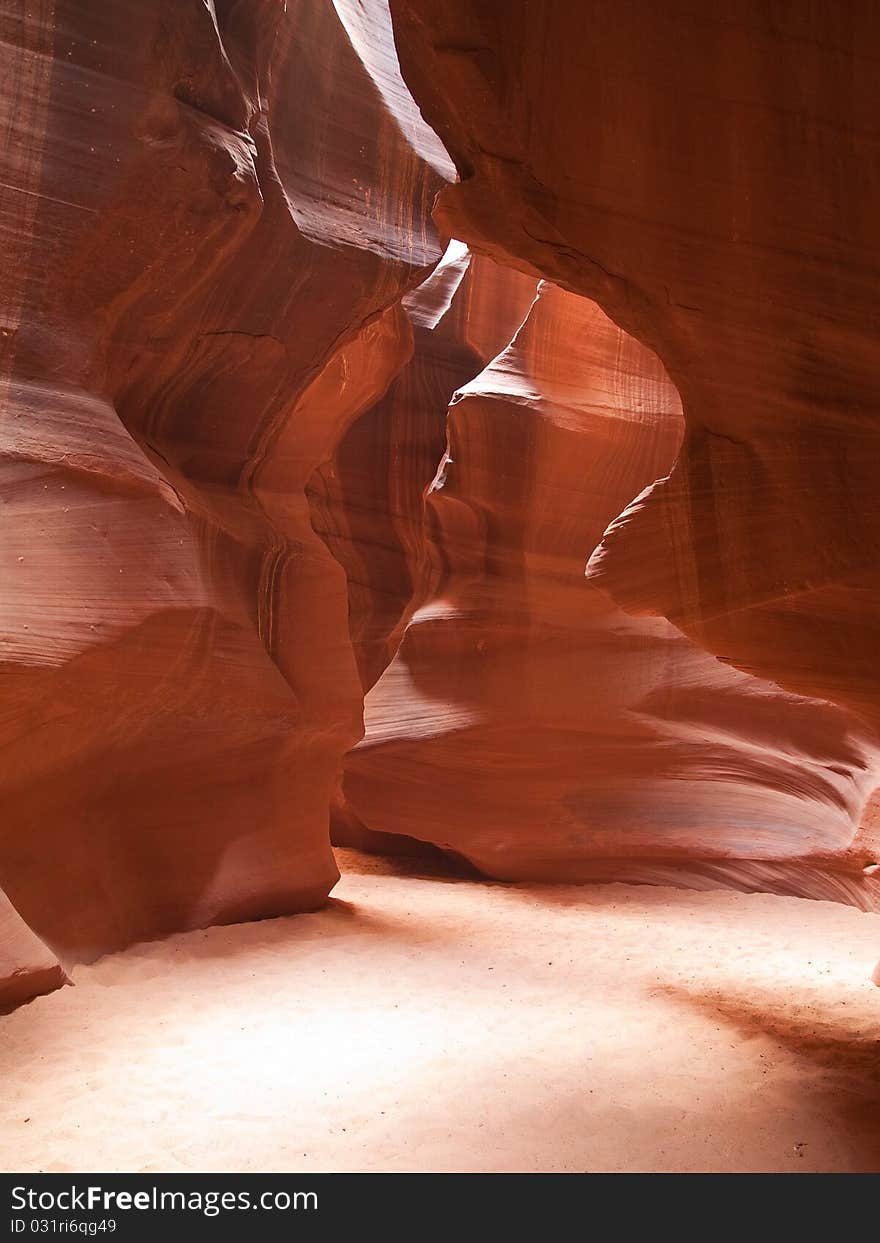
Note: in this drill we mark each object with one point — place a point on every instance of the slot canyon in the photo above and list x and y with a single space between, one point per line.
439 708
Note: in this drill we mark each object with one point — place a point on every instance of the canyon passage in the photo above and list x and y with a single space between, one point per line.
439 450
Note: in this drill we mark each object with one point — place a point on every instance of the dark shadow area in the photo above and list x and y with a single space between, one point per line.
844 1057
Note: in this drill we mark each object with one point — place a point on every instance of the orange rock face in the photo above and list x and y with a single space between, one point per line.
208 212
27 967
708 182
526 722
297 514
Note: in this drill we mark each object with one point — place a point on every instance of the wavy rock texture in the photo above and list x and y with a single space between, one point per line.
210 212
237 497
709 179
368 501
528 724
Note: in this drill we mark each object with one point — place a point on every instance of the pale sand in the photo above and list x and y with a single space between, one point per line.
435 1024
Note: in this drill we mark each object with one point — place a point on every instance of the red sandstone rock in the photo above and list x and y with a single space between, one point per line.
708 179
207 209
528 724
368 502
27 967
237 496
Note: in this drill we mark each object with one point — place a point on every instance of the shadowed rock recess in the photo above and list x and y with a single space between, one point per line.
311 429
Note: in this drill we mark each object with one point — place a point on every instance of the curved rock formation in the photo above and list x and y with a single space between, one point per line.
528 724
368 500
708 178
263 454
207 210
27 967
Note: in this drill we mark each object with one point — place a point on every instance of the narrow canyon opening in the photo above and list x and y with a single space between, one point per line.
447 465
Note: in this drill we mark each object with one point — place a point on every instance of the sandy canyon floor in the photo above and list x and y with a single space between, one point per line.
424 1023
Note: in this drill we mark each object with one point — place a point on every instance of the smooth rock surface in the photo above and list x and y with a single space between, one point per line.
530 726
708 177
274 475
27 967
206 209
